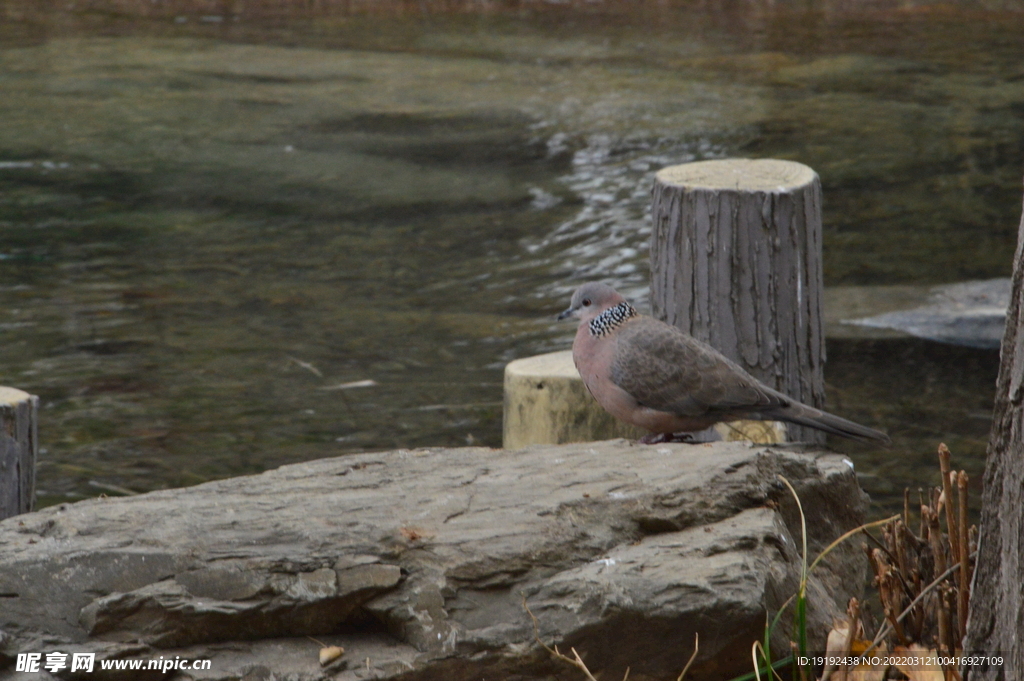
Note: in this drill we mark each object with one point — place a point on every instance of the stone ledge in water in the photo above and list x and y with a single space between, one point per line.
418 563
970 313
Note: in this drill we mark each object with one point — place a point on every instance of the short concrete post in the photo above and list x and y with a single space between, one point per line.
18 450
736 262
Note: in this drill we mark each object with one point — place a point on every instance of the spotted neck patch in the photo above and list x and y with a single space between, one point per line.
610 319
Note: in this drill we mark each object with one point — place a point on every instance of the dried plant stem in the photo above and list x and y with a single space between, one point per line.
803 532
965 569
576 660
900 549
696 647
947 492
886 594
853 615
884 631
846 535
882 547
950 670
800 622
935 537
753 656
924 523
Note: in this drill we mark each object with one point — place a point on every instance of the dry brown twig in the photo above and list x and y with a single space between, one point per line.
883 632
756 649
577 661
947 492
696 647
853 614
914 573
579 664
964 535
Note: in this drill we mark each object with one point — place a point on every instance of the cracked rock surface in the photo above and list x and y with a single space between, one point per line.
418 564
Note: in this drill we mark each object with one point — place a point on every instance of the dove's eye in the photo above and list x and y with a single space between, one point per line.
586 302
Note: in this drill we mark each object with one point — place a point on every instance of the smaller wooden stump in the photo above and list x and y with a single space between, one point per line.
547 403
736 263
18 450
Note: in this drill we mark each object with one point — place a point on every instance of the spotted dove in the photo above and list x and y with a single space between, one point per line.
652 375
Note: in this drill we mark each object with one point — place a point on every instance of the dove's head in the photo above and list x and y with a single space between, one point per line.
590 300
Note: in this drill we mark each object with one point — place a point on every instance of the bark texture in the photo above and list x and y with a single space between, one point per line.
18 449
996 622
736 262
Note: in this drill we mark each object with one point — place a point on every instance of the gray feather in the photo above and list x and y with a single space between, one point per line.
667 370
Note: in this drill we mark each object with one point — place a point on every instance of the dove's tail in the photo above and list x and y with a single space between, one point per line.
802 415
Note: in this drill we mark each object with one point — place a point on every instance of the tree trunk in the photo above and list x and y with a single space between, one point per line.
996 622
18 449
736 263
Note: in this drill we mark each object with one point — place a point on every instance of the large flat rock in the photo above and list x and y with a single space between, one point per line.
419 562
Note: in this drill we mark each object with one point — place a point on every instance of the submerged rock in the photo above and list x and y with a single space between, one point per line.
421 564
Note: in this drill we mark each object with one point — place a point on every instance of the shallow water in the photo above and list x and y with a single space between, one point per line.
210 227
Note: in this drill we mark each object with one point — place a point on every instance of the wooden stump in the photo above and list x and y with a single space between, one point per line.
736 262
547 403
18 449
